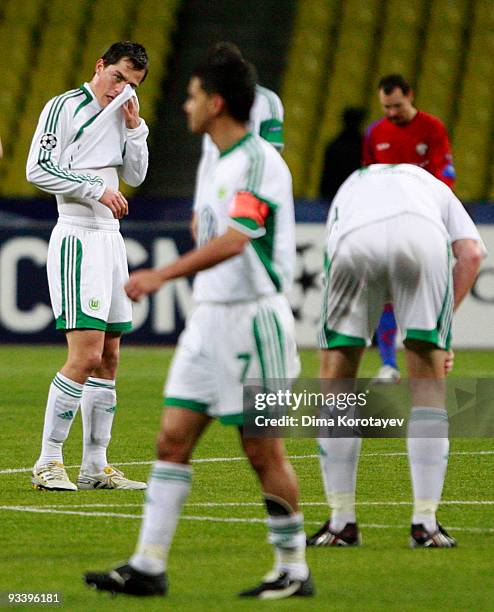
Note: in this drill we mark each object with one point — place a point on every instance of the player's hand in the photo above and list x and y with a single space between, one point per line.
141 283
449 361
130 112
116 202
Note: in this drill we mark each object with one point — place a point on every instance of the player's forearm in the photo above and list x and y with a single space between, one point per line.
136 157
465 272
214 252
49 177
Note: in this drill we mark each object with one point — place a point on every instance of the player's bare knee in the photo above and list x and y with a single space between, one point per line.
109 364
172 446
86 362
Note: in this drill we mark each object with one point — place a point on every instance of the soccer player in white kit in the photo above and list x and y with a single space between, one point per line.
265 119
392 234
86 140
242 328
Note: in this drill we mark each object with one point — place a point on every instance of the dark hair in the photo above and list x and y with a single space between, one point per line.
225 72
392 81
132 51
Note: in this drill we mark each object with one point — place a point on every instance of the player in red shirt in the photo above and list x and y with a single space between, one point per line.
404 135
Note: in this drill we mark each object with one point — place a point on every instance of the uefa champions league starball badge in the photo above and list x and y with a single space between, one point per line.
48 141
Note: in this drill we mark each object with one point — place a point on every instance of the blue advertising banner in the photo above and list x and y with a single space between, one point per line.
26 315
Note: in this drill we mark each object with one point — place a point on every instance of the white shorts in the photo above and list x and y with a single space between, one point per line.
87 270
405 260
224 345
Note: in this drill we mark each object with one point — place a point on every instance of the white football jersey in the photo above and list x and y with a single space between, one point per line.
382 191
80 148
266 120
249 187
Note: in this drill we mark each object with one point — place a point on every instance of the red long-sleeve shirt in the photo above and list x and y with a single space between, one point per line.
423 141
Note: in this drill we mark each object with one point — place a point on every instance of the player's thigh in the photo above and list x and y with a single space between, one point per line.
192 380
180 430
355 289
421 281
80 277
85 346
120 310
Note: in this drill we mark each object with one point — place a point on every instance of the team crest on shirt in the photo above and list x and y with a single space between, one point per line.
421 148
221 193
382 146
48 141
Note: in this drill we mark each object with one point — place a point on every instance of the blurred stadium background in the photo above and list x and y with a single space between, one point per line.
319 55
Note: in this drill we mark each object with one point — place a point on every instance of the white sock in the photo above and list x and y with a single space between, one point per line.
339 462
98 405
63 401
168 487
287 535
428 447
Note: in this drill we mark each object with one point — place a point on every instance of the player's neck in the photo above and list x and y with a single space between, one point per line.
411 116
226 132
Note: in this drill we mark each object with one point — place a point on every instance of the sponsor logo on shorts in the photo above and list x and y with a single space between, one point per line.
48 141
382 146
94 304
221 193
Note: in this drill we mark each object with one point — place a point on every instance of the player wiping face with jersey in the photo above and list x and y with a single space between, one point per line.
86 141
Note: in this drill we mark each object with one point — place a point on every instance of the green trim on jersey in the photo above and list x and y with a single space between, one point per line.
44 157
272 131
247 222
89 98
272 98
239 143
255 172
180 402
85 125
56 108
264 246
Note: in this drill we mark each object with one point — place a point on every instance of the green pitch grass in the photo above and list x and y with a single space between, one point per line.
213 556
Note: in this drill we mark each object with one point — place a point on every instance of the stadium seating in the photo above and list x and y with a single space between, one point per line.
472 140
349 79
302 92
16 37
52 66
442 58
400 42
443 47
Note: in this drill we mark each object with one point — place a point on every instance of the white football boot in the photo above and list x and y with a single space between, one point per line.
109 478
51 477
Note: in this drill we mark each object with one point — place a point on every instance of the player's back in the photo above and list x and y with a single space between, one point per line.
382 191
